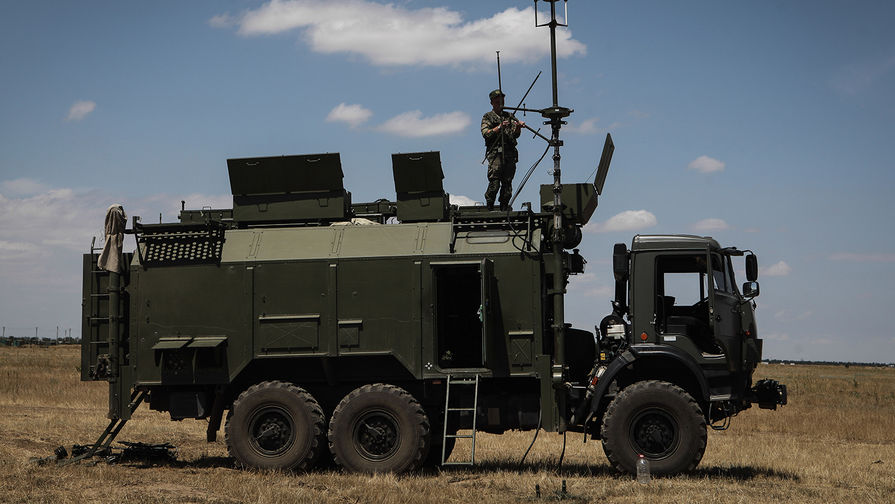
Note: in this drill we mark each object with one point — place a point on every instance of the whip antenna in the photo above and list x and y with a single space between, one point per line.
499 85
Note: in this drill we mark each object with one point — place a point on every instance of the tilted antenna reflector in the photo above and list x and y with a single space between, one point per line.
603 168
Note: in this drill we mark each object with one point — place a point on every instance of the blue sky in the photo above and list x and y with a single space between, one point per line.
768 125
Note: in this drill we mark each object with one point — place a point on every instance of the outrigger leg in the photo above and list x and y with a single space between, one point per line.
105 439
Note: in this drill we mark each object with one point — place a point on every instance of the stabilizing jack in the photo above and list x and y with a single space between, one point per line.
105 439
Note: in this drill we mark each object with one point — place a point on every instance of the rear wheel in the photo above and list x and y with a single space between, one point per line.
379 428
659 420
275 425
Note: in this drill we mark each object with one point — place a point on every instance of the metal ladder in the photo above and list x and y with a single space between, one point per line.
447 411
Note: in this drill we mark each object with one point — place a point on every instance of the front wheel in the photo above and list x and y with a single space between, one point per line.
658 420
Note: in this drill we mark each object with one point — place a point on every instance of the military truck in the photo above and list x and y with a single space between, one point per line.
378 335
381 334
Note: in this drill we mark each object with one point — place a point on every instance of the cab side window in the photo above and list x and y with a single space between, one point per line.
682 291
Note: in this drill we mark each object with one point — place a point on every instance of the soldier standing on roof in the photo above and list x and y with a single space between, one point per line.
500 130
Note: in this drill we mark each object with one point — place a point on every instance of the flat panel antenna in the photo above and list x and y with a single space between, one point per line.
603 167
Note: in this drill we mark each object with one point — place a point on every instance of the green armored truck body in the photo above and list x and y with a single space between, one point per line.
340 303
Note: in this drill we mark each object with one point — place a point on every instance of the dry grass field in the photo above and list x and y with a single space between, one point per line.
834 442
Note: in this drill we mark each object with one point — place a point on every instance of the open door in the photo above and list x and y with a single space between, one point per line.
463 313
486 275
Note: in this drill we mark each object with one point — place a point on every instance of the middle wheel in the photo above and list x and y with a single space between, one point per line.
379 428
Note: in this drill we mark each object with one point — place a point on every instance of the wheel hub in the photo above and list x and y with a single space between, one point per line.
376 435
272 431
654 433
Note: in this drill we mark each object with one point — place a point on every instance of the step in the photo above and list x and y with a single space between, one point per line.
460 436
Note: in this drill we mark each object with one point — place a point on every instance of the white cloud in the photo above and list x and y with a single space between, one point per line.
222 21
777 269
13 251
581 279
858 77
389 34
21 187
586 285
354 114
80 110
629 220
585 127
413 124
460 200
67 219
866 258
56 216
589 127
707 225
599 291
786 315
705 164
42 237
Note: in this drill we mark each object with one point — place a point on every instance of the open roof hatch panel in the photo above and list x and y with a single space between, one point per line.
306 188
418 184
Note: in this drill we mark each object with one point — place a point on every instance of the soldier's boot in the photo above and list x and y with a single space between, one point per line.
490 204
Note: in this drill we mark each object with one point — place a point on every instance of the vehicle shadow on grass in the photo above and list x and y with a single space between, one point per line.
485 467
736 473
742 473
146 462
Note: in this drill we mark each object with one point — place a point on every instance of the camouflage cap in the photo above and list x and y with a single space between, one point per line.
494 94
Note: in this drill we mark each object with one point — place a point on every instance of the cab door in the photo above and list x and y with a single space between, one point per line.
724 309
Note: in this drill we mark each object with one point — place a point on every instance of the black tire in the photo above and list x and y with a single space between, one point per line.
379 428
276 425
656 419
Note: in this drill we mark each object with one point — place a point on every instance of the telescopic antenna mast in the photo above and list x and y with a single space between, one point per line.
554 116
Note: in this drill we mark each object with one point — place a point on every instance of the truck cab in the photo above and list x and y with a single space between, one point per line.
677 353
685 297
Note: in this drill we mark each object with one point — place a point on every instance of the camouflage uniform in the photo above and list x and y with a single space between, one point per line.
501 153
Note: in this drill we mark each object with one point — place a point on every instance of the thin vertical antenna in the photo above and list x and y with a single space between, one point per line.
499 85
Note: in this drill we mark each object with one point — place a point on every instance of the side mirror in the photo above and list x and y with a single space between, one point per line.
752 269
750 290
620 262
